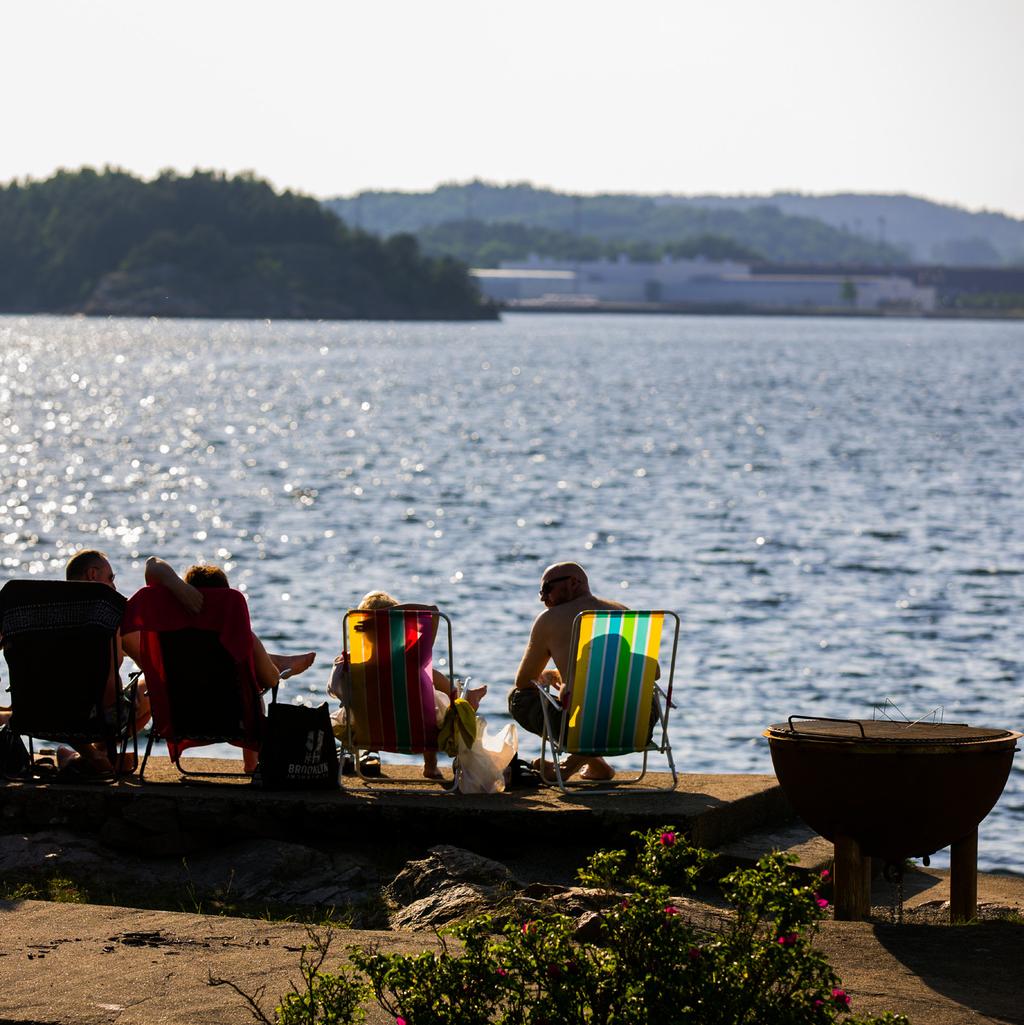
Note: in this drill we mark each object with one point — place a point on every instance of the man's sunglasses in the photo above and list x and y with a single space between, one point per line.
548 584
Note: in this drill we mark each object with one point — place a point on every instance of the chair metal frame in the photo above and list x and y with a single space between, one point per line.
194 774
550 706
351 747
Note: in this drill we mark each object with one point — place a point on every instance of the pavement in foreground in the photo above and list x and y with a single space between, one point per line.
78 964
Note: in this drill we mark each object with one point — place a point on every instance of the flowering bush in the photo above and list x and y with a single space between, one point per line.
651 964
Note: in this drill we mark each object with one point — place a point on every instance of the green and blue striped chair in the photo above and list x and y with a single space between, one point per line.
615 704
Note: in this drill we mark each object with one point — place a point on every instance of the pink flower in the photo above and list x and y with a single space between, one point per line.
671 909
787 939
694 953
667 839
840 998
529 928
400 1020
502 972
826 875
821 902
819 1003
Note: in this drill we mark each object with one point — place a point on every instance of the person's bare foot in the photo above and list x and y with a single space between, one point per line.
292 665
592 769
66 755
475 696
430 769
597 769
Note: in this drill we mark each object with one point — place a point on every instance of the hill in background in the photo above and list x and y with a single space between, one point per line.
483 223
209 245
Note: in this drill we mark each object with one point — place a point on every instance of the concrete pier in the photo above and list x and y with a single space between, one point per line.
165 816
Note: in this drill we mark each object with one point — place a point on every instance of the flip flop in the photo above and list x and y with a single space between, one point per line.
78 770
522 776
369 764
44 768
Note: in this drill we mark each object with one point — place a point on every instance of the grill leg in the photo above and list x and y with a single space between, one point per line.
963 879
852 882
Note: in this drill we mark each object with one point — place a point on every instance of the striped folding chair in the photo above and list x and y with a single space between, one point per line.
390 701
615 703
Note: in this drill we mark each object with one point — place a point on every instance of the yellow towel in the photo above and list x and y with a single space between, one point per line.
458 728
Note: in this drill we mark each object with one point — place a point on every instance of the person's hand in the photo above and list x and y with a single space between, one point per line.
190 597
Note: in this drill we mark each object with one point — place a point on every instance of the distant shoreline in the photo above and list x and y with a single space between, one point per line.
704 310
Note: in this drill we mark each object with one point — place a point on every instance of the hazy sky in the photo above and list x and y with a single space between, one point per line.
688 96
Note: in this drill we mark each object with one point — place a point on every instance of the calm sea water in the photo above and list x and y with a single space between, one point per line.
833 507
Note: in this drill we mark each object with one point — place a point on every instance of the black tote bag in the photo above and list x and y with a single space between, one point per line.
298 750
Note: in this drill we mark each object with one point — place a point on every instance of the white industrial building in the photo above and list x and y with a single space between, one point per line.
696 282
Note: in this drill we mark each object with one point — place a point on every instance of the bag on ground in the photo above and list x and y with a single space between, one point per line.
298 750
482 765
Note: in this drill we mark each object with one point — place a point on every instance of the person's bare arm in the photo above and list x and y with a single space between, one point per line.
536 656
158 572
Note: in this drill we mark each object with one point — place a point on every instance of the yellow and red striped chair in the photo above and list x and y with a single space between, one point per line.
390 705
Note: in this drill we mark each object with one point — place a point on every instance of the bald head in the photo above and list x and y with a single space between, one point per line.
567 569
563 582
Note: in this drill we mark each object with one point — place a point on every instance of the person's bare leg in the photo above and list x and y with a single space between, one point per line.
476 695
292 664
430 769
250 759
269 667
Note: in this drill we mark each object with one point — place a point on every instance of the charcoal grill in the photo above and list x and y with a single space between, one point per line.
893 790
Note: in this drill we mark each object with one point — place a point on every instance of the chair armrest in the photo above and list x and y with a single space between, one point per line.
546 694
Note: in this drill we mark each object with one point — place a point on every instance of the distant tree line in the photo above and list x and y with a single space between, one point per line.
209 245
621 223
482 244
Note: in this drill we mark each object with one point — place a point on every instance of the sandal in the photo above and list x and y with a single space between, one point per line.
369 764
44 768
521 775
78 770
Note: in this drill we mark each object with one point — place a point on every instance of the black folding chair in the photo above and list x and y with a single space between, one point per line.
60 643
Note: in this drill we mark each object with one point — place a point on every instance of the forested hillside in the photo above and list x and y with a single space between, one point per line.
931 232
606 223
781 228
209 245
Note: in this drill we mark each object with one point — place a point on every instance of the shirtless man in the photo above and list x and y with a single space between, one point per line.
565 591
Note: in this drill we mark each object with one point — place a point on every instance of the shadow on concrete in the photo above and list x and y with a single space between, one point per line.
979 966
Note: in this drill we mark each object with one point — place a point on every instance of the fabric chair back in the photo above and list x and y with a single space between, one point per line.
60 643
199 668
391 705
615 664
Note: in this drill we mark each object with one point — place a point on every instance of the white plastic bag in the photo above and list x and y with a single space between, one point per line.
482 766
